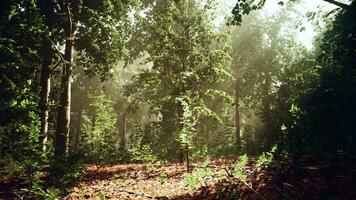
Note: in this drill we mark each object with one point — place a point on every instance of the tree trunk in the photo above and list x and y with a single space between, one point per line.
123 131
93 124
268 140
45 90
237 114
183 152
77 132
187 157
63 115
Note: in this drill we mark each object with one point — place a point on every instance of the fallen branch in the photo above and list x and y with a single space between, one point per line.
231 177
14 192
126 191
136 193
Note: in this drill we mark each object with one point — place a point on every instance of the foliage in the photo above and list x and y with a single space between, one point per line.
170 98
10 167
141 153
188 122
263 48
21 31
187 54
35 180
39 192
48 194
65 175
98 128
144 147
198 176
103 31
244 8
312 84
266 158
335 87
101 196
239 167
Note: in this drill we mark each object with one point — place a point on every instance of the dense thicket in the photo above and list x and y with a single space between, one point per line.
327 110
21 32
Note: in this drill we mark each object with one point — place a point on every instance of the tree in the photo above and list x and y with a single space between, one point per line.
325 113
245 7
74 21
70 26
237 110
187 54
48 51
98 128
21 30
246 45
260 51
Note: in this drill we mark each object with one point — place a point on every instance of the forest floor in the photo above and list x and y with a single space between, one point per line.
315 180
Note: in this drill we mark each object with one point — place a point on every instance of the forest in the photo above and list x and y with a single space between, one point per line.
178 99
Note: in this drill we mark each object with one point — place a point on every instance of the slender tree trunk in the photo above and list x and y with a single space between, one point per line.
184 152
237 113
46 54
93 121
267 112
45 90
77 132
123 131
180 128
63 115
187 157
93 124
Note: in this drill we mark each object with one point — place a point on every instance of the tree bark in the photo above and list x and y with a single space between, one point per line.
123 131
47 10
77 132
63 115
237 113
268 140
45 90
95 143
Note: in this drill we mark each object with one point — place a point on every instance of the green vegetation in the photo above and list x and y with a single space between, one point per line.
129 81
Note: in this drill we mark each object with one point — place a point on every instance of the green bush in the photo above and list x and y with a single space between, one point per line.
240 167
198 176
266 158
142 153
66 174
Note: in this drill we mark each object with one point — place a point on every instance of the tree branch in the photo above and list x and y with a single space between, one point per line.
55 67
341 5
59 54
